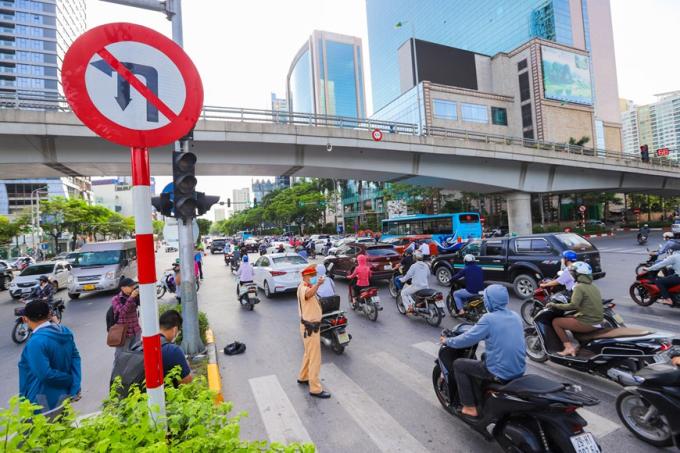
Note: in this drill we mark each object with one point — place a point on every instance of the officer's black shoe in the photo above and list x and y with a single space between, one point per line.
323 395
302 382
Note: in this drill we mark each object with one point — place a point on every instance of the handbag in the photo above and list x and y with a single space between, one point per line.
116 335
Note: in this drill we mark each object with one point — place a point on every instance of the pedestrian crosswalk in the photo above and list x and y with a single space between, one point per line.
385 430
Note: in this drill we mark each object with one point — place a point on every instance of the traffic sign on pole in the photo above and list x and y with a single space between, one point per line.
377 135
582 208
133 86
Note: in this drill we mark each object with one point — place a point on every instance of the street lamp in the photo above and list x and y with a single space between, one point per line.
399 25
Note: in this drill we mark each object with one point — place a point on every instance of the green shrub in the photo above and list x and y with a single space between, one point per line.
194 423
202 320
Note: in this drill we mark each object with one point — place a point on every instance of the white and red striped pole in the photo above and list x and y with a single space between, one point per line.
146 272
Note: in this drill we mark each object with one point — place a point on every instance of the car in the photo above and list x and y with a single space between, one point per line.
6 275
217 245
66 256
382 258
278 272
58 272
596 223
400 243
251 245
520 261
675 227
347 240
274 247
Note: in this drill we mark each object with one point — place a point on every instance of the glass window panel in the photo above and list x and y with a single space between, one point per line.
474 113
445 109
341 79
499 116
301 85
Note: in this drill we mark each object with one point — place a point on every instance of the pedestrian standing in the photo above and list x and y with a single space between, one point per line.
310 313
125 305
198 258
49 368
425 250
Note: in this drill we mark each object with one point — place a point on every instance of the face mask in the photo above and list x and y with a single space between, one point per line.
313 280
179 332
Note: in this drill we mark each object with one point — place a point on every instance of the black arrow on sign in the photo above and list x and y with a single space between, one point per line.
123 86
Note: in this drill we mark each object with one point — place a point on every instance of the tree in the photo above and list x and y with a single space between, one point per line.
203 226
580 142
9 229
158 226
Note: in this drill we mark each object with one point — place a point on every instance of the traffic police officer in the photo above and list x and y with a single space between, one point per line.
310 320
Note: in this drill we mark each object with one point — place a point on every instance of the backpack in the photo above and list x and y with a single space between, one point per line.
111 318
129 366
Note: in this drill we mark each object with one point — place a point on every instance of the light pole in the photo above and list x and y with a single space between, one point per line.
415 57
35 217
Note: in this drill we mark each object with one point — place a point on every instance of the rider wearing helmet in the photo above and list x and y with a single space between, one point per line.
418 274
644 231
565 279
474 282
406 261
586 300
44 290
244 274
671 244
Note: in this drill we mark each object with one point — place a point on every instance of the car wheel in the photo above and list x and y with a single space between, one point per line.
56 286
73 295
267 292
443 275
524 286
3 283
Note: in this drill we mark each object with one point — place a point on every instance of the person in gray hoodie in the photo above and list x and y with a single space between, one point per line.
503 334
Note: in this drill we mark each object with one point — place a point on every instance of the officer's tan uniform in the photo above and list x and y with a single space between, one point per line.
311 362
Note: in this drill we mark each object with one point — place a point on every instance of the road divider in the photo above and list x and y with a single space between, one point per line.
214 378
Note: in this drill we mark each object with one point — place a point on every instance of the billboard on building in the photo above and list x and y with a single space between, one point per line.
396 208
566 76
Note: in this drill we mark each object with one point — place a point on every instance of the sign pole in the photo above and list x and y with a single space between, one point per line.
146 271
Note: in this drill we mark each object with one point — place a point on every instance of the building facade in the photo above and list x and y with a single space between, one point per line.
116 194
261 188
326 77
491 28
17 196
240 199
656 125
34 36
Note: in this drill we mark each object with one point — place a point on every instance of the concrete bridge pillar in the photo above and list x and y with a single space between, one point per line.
519 212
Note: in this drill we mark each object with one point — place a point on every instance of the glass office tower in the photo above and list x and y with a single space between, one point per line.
326 77
34 36
482 26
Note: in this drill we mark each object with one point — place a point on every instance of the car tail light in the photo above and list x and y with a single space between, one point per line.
665 346
342 320
278 273
438 296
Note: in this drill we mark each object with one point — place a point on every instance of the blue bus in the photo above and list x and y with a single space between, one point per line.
445 229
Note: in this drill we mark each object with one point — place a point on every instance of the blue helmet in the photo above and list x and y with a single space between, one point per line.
569 255
245 258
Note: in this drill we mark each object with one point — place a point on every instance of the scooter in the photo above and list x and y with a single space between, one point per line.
247 296
614 352
642 239
366 302
228 257
429 304
474 307
645 291
234 265
21 332
167 283
652 260
333 329
650 410
528 414
542 296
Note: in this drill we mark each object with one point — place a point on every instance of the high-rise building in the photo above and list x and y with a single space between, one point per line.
656 125
282 182
240 199
261 188
34 36
326 77
17 196
489 28
220 214
279 109
116 194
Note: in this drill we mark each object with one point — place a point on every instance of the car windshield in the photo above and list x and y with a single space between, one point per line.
103 258
380 251
293 259
39 269
574 242
219 242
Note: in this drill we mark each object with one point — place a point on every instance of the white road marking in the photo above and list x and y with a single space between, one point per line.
387 434
597 424
413 379
428 347
278 414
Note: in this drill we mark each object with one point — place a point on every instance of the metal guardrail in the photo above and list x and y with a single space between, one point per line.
38 101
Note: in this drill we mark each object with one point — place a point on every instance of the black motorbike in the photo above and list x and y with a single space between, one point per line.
429 304
650 410
333 327
642 238
528 414
21 331
474 307
234 264
247 295
228 257
366 302
614 352
263 249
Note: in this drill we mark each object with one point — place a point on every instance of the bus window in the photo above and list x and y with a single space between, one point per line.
443 226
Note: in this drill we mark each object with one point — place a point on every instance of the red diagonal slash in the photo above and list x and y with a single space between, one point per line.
137 84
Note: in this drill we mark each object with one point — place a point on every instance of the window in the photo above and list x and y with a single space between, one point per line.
527 120
499 116
529 133
539 245
472 248
474 113
445 109
381 251
495 248
290 259
468 218
522 65
524 89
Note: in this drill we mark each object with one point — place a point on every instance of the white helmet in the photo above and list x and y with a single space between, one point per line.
668 235
581 268
419 256
469 258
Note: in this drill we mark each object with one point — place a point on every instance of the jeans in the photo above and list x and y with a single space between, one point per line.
667 282
407 294
466 371
461 296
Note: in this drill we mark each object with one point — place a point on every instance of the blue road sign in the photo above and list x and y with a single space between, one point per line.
170 188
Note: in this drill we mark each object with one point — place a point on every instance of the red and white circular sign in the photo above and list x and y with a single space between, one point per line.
582 208
377 135
132 85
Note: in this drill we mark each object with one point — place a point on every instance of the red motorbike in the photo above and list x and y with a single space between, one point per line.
645 291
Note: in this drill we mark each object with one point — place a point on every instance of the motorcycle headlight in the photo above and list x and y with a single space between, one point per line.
110 275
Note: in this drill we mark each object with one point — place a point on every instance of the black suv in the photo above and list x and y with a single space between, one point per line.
6 275
522 261
217 245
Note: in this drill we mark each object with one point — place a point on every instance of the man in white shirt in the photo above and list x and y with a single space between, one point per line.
418 273
425 250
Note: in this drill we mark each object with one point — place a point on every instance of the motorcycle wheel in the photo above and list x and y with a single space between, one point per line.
640 266
434 317
528 311
160 291
400 305
451 306
441 389
251 306
534 349
632 408
373 312
337 347
20 333
640 295
393 288
59 313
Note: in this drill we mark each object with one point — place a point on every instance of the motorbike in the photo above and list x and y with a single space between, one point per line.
167 284
650 410
333 328
530 307
614 352
263 249
234 265
247 296
474 307
642 238
429 304
645 291
21 332
527 414
652 260
367 301
228 257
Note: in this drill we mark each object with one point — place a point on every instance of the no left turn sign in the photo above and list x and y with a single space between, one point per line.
377 135
132 85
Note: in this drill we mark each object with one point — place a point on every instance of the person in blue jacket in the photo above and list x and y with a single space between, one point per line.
474 282
502 332
49 368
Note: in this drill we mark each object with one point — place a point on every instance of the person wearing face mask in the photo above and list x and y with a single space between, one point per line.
170 326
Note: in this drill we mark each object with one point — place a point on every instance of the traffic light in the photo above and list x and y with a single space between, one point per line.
184 180
163 204
204 202
229 202
254 202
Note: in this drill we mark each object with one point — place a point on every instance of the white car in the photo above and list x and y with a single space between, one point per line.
278 272
58 272
675 227
274 246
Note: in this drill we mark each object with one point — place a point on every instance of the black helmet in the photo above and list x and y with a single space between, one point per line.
43 278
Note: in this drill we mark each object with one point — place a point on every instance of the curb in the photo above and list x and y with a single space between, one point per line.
214 378
651 229
601 235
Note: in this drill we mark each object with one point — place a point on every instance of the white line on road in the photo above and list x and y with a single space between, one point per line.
387 434
415 381
278 414
428 347
597 424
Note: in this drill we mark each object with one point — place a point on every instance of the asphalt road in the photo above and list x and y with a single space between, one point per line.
382 389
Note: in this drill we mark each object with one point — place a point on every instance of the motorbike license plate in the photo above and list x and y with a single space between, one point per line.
439 304
89 287
584 443
330 266
251 296
343 338
388 267
662 357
